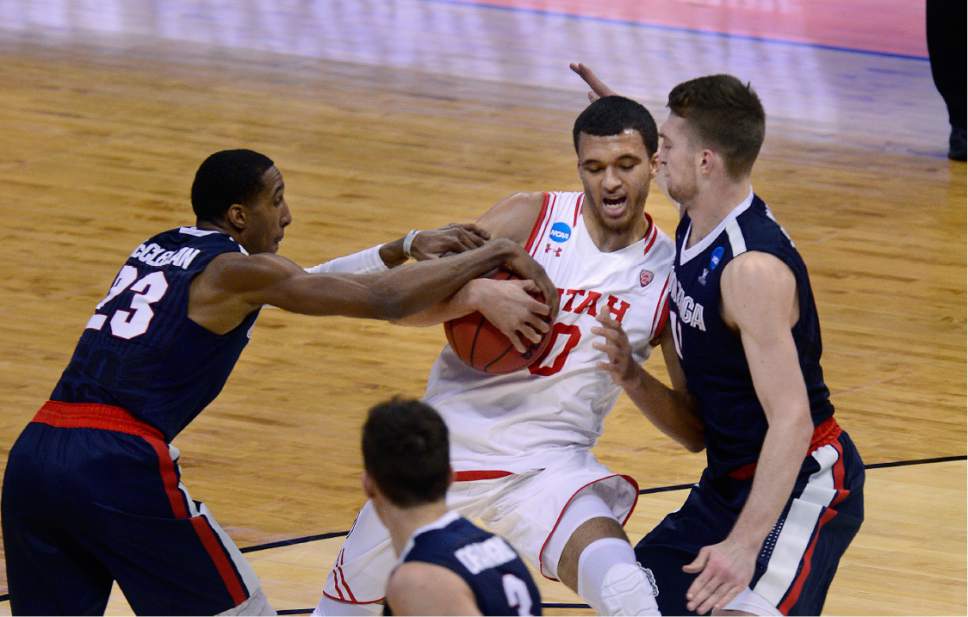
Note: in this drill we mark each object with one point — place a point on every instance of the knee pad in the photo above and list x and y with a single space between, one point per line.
629 590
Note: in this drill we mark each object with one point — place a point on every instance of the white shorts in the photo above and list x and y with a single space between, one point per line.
524 508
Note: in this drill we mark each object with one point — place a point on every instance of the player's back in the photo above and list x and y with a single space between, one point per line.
513 422
499 580
140 351
712 354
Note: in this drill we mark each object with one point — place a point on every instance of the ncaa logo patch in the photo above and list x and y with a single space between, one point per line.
560 232
716 257
645 277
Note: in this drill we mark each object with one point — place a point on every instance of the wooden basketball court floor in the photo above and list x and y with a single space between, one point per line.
385 116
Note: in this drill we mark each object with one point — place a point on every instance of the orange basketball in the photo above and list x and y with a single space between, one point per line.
482 346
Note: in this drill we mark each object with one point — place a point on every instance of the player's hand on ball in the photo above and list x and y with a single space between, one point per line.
511 308
599 89
527 268
453 238
615 343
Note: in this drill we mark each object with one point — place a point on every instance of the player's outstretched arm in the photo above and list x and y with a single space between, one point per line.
671 410
235 284
506 304
417 588
759 300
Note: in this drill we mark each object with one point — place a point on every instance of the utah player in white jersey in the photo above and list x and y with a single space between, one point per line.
521 443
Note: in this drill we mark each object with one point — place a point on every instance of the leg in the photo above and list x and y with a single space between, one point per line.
167 552
47 572
357 583
946 50
597 561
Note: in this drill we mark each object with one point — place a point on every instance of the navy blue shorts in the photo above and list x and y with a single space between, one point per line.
92 495
798 559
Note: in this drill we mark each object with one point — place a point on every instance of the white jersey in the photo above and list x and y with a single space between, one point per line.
513 422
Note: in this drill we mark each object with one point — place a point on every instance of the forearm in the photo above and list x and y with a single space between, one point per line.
458 305
781 457
672 412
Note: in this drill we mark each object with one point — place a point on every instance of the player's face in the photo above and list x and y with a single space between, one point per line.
268 215
615 171
679 154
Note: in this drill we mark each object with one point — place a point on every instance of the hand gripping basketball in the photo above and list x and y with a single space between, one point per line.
481 345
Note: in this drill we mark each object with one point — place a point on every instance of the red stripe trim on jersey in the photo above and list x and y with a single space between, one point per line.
224 567
340 575
334 598
661 313
829 513
826 433
547 221
663 320
94 415
578 206
479 474
537 222
650 234
629 479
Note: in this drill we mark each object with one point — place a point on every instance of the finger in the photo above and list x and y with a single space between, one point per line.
608 334
480 232
470 240
516 342
528 333
713 598
727 597
537 322
697 595
528 285
540 308
698 563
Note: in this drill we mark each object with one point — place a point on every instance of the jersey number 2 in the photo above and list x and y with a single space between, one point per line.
517 594
125 323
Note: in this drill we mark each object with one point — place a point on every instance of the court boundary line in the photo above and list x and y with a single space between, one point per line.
666 28
646 491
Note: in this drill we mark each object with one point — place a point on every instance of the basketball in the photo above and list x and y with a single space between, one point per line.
483 347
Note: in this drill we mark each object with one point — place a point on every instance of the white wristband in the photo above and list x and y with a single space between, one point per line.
408 242
363 262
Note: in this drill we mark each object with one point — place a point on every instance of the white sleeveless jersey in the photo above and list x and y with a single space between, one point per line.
513 422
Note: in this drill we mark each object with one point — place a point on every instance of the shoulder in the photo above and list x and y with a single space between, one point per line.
661 249
756 269
416 586
514 216
239 272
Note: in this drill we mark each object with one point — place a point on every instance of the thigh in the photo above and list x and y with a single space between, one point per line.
527 511
675 542
820 522
48 573
167 552
363 563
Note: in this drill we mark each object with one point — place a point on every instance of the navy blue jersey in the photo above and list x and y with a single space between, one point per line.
712 354
499 579
140 351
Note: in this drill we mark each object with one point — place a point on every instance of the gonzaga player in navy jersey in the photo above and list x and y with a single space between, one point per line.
92 489
446 565
781 498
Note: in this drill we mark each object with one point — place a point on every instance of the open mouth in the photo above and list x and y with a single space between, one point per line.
614 206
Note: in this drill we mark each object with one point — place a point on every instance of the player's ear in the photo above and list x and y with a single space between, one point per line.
236 216
368 486
452 477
